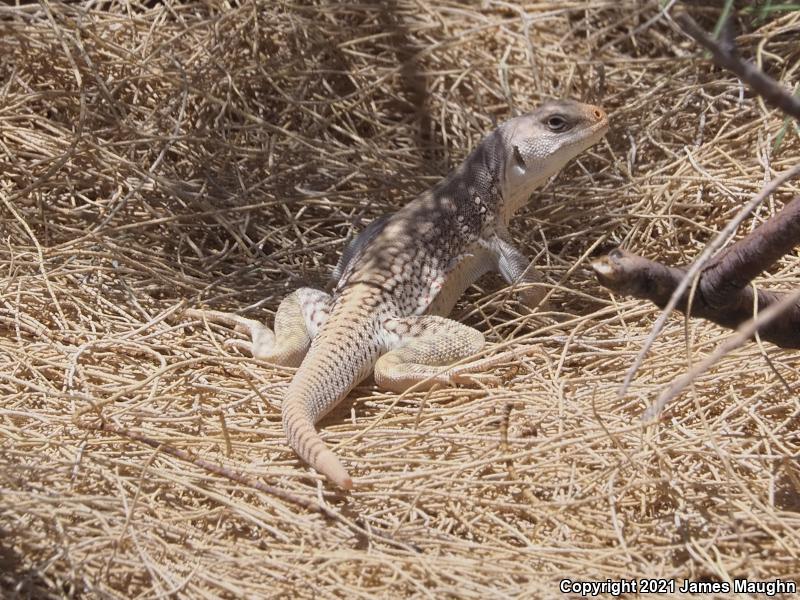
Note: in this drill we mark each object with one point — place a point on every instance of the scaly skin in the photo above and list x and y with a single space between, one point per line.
406 271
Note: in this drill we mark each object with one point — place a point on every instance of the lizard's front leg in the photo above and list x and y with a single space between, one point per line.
420 350
297 321
516 270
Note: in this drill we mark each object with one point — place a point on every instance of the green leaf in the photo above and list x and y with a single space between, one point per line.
787 122
726 12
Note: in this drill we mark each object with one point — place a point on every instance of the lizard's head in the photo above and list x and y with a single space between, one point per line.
537 145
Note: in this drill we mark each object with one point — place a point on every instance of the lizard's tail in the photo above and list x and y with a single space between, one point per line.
303 438
324 378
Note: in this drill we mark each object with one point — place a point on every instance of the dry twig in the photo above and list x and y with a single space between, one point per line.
773 92
723 293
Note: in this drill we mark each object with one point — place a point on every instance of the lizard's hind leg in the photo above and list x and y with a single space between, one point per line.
297 321
421 348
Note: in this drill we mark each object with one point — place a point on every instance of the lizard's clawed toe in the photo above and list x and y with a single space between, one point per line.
476 379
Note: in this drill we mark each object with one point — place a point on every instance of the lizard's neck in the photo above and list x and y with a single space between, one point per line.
475 190
519 198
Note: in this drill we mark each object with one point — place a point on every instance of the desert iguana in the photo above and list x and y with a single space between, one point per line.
399 279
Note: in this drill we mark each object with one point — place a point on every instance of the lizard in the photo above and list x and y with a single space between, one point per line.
398 280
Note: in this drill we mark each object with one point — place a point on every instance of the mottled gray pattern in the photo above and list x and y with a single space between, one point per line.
402 275
423 257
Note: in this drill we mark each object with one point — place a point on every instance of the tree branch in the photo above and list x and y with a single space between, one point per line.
735 268
700 263
744 333
724 294
773 93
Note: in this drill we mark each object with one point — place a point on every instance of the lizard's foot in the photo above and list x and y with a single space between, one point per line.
474 372
298 318
514 267
262 339
422 350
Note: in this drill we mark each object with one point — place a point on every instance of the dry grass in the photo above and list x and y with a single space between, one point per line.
200 155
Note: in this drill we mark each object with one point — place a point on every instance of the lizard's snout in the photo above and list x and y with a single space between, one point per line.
598 118
598 113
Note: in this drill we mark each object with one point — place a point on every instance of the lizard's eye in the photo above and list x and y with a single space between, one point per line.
518 157
557 123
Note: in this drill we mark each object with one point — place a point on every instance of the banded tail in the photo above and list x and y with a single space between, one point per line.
339 358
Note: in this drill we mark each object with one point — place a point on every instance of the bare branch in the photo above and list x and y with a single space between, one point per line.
724 295
776 311
773 93
698 265
633 275
735 268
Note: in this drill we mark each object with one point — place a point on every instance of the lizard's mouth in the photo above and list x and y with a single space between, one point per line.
594 134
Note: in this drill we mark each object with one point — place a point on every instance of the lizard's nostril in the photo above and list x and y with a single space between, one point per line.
598 114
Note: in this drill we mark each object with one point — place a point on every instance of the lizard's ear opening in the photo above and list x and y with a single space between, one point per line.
518 158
